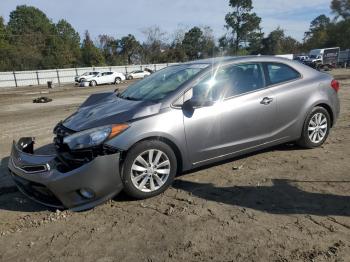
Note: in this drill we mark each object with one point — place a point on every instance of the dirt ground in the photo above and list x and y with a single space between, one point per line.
282 204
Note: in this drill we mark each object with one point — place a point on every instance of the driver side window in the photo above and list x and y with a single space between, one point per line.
229 81
208 88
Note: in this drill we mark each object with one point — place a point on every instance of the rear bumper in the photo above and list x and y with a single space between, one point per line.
41 178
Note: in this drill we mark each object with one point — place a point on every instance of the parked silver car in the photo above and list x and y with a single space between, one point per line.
179 118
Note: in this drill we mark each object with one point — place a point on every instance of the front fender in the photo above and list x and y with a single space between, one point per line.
168 125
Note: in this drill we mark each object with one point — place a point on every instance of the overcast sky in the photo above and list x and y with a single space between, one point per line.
121 17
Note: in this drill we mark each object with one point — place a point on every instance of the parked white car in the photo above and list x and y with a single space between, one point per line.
82 77
138 74
104 78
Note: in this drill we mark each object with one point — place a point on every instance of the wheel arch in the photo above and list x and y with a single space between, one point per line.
173 146
329 110
307 112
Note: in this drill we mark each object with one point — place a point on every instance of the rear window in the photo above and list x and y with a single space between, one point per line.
279 73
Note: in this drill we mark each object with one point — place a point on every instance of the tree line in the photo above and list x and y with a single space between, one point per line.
30 40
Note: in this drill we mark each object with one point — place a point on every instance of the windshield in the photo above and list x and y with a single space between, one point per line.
162 83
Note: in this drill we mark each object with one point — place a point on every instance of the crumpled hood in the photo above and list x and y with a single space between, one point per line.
106 109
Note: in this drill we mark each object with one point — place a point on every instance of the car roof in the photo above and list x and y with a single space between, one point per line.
256 58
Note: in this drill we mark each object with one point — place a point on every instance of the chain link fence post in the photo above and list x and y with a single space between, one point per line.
58 78
37 77
15 78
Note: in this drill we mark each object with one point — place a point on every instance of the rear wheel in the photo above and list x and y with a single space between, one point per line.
316 128
117 80
149 169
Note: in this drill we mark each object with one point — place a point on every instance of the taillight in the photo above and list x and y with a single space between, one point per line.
335 85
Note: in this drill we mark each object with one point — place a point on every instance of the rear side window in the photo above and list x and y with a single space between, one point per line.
279 73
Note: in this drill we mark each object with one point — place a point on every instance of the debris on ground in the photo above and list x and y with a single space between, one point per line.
237 167
42 99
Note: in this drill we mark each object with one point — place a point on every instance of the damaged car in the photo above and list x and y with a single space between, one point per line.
179 118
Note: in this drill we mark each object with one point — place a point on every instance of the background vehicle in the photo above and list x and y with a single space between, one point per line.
287 56
302 58
138 74
344 58
105 78
82 77
182 117
326 58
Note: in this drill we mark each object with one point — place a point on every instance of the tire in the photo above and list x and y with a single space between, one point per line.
117 80
148 181
93 83
130 78
316 128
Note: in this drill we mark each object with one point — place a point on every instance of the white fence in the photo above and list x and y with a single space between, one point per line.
62 76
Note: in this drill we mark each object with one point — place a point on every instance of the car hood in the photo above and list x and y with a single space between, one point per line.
106 109
88 77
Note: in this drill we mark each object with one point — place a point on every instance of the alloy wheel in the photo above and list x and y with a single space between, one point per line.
317 128
150 170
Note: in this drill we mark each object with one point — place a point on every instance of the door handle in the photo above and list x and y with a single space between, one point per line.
266 101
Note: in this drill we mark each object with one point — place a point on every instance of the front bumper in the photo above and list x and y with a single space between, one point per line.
41 178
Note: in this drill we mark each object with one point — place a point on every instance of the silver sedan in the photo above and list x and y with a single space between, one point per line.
177 119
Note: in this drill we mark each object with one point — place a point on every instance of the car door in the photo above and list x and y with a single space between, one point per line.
202 127
111 77
291 96
107 78
241 117
142 74
101 78
248 110
138 74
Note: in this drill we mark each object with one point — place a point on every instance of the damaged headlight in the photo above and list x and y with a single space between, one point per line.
93 137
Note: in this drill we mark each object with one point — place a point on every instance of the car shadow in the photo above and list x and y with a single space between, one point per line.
283 197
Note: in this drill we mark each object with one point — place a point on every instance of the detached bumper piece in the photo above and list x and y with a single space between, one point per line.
44 178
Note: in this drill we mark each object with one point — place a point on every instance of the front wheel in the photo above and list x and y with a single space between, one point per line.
93 83
316 128
117 80
149 169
